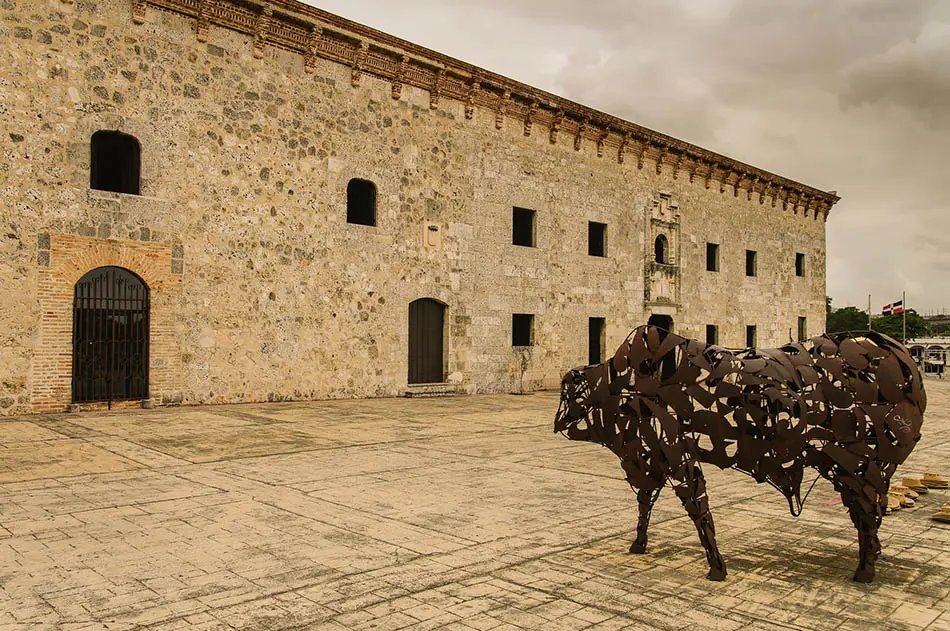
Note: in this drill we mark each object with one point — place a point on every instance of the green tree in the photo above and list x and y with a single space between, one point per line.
893 325
847 319
941 329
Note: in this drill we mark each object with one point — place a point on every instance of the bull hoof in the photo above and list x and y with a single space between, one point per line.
863 575
717 575
638 548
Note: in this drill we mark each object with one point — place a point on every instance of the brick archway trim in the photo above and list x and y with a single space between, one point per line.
112 254
70 258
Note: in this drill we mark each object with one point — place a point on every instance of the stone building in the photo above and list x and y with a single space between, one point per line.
930 353
210 201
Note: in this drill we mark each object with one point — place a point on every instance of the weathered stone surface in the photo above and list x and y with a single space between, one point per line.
245 162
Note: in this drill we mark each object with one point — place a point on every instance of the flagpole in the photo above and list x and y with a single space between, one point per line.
870 328
904 313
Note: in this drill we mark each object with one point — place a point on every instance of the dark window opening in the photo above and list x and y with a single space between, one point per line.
712 334
712 257
596 239
361 202
665 324
799 264
751 263
522 329
115 162
661 250
596 329
522 227
802 328
751 336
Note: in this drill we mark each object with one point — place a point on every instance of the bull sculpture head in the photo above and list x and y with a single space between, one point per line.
575 405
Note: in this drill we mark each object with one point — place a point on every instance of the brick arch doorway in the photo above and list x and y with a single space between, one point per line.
426 341
110 336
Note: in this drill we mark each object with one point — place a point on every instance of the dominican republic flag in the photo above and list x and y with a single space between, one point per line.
895 308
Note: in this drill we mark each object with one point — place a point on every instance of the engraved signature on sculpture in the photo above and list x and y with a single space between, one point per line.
904 424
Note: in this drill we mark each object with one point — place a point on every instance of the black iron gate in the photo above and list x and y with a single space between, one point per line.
425 341
110 336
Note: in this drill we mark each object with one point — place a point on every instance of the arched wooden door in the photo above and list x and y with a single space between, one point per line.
110 336
426 325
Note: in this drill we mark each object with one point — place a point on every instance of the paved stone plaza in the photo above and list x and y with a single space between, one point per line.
457 513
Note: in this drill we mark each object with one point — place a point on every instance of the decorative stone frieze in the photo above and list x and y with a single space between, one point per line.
289 24
400 77
504 101
473 91
529 117
435 95
262 31
310 58
359 60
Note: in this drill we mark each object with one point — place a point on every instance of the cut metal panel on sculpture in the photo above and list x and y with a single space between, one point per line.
849 405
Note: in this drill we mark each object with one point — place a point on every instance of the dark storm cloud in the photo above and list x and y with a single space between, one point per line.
847 95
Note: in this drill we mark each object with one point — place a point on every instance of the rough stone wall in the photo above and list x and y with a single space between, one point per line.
245 163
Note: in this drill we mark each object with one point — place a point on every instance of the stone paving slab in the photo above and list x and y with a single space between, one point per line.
459 513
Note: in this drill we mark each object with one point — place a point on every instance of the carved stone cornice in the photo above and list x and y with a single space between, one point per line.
138 11
622 149
262 30
290 25
556 127
472 96
359 59
601 141
435 94
529 117
503 101
310 57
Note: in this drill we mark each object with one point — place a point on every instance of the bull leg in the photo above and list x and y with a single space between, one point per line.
646 498
866 518
690 487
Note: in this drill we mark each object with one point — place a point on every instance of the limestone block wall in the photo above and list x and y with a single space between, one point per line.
266 292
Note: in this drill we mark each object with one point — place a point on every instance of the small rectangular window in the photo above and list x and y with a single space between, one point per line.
522 227
712 334
799 264
751 263
115 162
750 336
522 329
712 257
596 239
361 202
802 328
595 341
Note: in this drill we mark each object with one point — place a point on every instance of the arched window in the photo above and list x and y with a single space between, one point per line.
115 162
661 253
361 202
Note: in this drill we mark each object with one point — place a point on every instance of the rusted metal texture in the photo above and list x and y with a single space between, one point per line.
848 405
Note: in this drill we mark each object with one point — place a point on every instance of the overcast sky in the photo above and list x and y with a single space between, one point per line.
849 95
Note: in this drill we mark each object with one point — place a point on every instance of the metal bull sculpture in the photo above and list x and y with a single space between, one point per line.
848 405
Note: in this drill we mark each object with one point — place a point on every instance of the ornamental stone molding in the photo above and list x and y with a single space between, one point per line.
311 32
